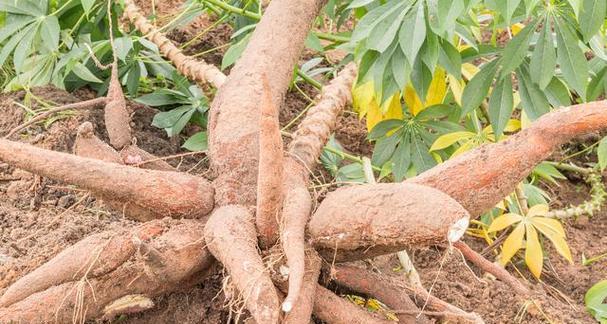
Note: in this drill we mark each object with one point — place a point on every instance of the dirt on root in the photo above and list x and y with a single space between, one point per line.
39 217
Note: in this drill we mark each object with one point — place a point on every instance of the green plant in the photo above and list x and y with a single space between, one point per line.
594 299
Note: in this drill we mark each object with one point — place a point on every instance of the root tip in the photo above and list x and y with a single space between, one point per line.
287 306
458 229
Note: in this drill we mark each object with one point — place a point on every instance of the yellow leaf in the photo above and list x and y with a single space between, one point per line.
437 90
538 210
513 125
504 221
457 87
469 70
525 121
392 108
362 98
374 116
548 226
373 304
513 243
534 257
412 100
449 139
561 247
464 148
516 28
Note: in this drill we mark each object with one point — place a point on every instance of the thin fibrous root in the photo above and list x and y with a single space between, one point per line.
117 117
143 194
361 222
270 170
314 131
296 213
88 104
196 70
231 237
478 180
382 288
89 278
332 309
418 294
494 269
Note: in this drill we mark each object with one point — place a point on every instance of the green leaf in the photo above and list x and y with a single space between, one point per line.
402 159
373 18
597 85
196 143
359 3
602 153
380 130
594 298
180 124
384 148
443 15
533 100
571 58
233 53
84 73
421 77
384 33
557 93
543 59
501 104
132 81
123 46
413 32
351 173
401 70
422 160
450 58
592 17
24 48
506 8
87 5
516 49
22 7
157 99
476 90
12 28
313 42
49 32
168 119
430 51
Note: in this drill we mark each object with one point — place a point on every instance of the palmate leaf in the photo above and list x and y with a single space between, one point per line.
534 257
504 221
592 17
516 50
571 58
594 300
501 104
447 140
512 244
543 59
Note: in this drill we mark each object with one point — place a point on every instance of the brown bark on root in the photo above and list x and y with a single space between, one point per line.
390 292
314 131
231 238
270 171
234 118
481 178
155 258
300 311
332 309
374 285
90 146
117 118
143 194
494 269
364 221
193 69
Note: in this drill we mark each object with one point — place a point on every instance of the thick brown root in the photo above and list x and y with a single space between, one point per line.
380 287
90 146
88 104
273 50
117 118
231 238
314 131
270 171
361 222
143 194
492 268
391 290
481 178
86 280
196 70
301 310
334 310
296 213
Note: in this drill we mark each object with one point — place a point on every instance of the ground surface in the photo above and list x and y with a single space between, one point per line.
39 218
